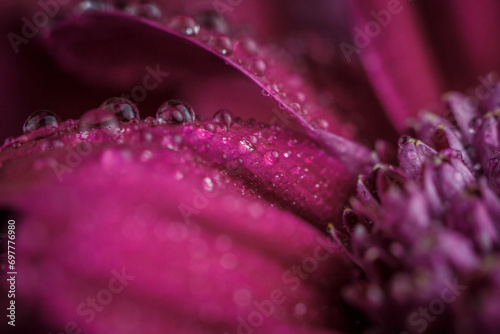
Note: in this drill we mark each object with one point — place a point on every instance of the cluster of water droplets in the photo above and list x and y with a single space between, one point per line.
210 29
111 116
141 8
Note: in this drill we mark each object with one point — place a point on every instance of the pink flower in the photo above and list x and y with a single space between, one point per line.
208 213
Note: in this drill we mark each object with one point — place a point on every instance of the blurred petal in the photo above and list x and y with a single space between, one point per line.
397 57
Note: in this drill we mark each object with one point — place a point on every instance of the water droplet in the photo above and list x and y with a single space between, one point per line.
144 8
208 184
224 116
9 141
124 109
450 153
265 93
320 123
256 66
295 107
98 119
90 6
246 47
245 146
41 119
403 140
222 44
175 112
212 20
150 121
271 157
273 88
186 25
474 124
292 142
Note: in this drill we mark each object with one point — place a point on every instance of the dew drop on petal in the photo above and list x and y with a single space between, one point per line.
256 66
474 124
271 157
9 141
296 107
225 117
222 44
144 8
98 119
175 112
41 119
403 140
246 47
273 88
90 6
186 25
245 146
124 109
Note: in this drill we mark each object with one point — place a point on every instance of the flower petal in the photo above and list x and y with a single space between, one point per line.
396 57
192 236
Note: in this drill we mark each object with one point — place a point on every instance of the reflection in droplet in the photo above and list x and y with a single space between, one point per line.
222 44
224 116
175 112
90 6
246 47
41 119
144 8
124 109
186 25
256 66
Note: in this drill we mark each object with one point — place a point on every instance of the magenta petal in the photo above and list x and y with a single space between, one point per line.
285 168
202 244
397 58
474 23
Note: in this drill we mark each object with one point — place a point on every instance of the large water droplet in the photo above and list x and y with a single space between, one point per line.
98 119
91 6
222 44
186 25
175 112
41 119
246 47
256 66
124 109
144 8
224 116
